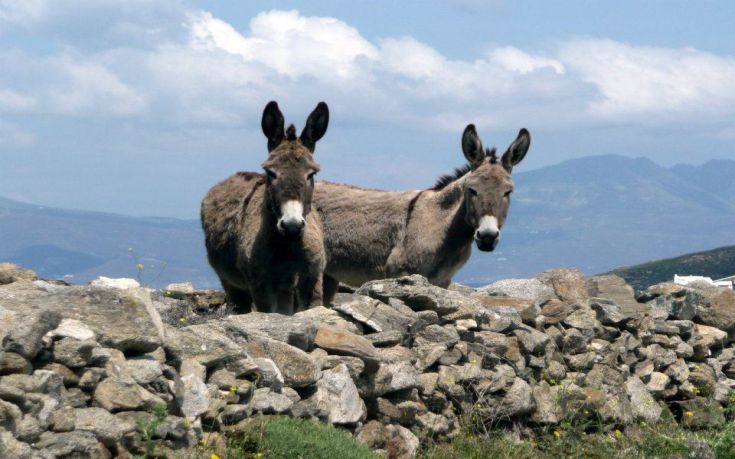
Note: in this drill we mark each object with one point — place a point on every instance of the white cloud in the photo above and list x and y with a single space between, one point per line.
202 69
634 80
13 101
13 136
518 61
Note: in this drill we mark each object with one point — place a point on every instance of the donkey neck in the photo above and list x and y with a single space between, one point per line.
450 201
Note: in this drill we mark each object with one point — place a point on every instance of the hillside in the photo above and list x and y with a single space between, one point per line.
595 214
716 263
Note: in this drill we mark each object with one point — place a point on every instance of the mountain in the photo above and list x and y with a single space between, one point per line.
716 263
79 246
594 213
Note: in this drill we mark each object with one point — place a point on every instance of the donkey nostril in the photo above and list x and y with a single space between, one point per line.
291 227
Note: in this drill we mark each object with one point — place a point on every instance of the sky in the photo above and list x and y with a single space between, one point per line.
139 106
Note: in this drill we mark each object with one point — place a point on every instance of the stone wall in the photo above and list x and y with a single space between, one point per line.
103 371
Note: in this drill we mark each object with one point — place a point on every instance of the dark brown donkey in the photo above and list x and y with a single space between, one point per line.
373 234
261 238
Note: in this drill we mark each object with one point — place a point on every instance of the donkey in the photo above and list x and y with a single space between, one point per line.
374 234
262 239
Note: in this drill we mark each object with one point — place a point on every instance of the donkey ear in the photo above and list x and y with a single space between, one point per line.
517 150
272 124
472 147
316 126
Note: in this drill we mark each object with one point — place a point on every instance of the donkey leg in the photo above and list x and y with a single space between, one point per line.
330 287
286 299
310 290
240 299
264 300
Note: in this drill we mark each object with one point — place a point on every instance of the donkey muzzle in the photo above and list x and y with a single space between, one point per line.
291 224
487 234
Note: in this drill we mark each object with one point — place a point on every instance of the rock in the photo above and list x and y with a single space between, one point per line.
375 314
525 310
71 328
297 368
710 337
107 428
354 365
337 395
208 344
144 370
703 377
518 400
584 320
179 289
341 342
10 273
267 402
530 341
192 395
397 441
72 444
10 447
417 293
22 331
643 405
614 288
390 377
115 395
554 311
608 312
75 353
434 424
657 383
288 329
568 284
232 414
122 283
115 316
529 289
10 363
673 301
386 338
678 371
717 308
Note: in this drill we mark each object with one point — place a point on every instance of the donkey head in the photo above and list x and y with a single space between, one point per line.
489 185
290 167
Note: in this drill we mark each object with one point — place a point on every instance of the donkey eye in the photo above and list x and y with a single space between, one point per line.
311 176
507 193
270 174
472 191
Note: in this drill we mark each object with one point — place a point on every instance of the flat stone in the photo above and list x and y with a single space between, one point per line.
569 285
297 368
390 377
122 283
529 289
72 444
340 342
12 448
643 405
114 395
267 402
107 428
417 292
375 314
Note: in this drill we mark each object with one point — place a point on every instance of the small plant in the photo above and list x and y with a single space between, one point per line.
147 427
140 269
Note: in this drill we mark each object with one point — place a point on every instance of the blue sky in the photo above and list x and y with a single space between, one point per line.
138 107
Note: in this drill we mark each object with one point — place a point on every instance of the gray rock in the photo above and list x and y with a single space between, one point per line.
569 285
337 395
717 308
23 331
401 443
341 342
106 428
386 338
268 402
529 289
530 341
643 405
232 414
390 377
10 416
12 448
608 312
72 444
297 368
354 365
417 293
144 369
75 353
584 320
208 344
114 395
375 314
193 396
270 375
518 400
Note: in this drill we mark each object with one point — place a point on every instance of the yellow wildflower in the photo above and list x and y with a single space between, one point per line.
617 433
557 434
213 456
233 389
688 414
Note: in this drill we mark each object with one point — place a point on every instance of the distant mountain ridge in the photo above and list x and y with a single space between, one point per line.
717 263
595 213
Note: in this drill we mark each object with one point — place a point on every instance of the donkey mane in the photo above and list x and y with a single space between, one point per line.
291 132
444 181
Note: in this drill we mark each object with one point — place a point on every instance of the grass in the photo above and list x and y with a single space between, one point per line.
279 437
664 439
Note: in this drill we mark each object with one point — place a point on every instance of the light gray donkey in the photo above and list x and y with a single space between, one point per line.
261 238
374 234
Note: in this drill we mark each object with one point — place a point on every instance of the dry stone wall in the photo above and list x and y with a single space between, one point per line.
103 371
